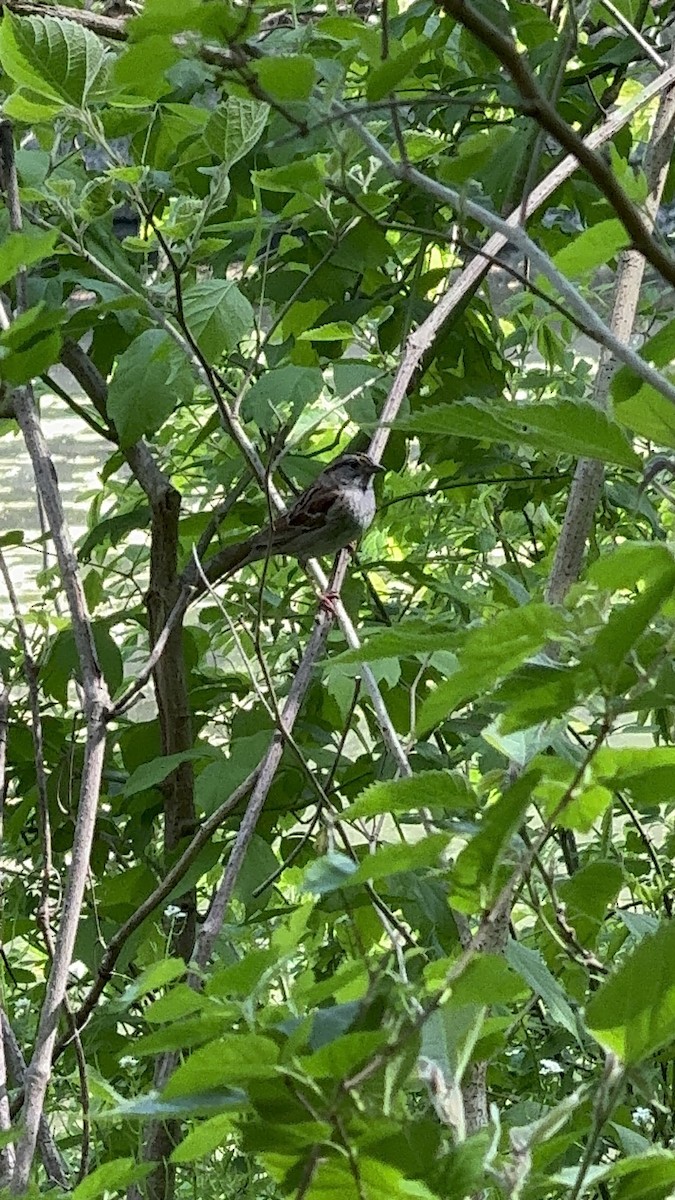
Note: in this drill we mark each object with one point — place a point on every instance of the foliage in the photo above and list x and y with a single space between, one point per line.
254 312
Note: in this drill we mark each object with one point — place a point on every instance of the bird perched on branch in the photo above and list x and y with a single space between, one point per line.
333 511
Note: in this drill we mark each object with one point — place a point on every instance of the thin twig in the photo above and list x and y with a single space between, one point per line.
539 107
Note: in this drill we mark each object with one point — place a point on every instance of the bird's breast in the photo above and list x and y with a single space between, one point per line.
359 506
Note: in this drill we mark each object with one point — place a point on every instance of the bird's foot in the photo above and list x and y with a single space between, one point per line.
327 603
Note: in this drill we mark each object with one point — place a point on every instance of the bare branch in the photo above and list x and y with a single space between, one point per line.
589 475
538 105
51 1159
96 701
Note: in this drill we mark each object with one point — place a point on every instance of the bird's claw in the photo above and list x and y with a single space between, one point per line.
327 603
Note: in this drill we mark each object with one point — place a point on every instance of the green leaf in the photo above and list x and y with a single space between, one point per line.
531 967
587 896
449 1036
164 16
25 106
486 979
306 175
155 976
203 1139
232 1059
561 428
63 664
650 415
218 315
489 653
194 1105
335 331
242 977
185 1034
328 874
583 810
23 249
114 529
141 69
376 1181
391 860
220 778
592 248
633 1012
20 366
632 564
281 395
152 378
626 623
638 405
180 1001
114 1176
474 875
234 128
383 80
58 60
259 864
341 1057
149 774
432 789
31 344
286 78
409 639
647 772
658 350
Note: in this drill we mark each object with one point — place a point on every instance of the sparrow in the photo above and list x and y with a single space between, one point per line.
333 511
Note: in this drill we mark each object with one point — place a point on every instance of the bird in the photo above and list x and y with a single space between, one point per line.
333 511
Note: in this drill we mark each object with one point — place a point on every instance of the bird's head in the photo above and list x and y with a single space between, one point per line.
352 469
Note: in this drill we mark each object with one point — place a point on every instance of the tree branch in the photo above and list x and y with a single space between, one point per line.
539 107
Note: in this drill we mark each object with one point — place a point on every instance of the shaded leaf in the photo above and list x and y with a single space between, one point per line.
633 1012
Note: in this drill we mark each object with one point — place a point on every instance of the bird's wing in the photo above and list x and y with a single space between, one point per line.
311 510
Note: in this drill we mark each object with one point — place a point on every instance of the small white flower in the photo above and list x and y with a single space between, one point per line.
549 1066
172 911
128 1060
641 1115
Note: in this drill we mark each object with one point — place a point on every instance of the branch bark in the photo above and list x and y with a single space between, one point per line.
95 703
538 105
589 475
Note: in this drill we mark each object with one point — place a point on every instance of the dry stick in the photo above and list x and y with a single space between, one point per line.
7 1159
171 880
44 917
581 309
110 27
52 1162
219 904
30 673
589 475
478 269
539 107
96 701
634 33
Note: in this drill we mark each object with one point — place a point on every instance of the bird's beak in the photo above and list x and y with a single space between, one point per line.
377 468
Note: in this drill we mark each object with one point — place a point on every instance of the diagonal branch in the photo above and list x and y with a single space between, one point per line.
95 703
589 474
539 107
